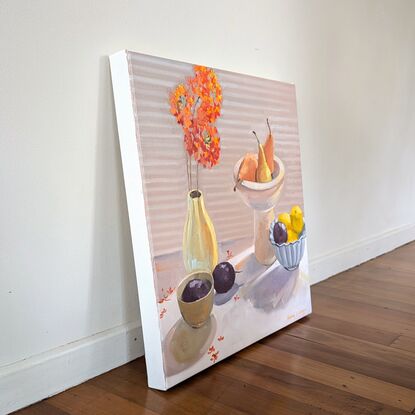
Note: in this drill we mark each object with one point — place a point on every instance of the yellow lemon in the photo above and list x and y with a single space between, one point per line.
291 236
285 219
297 221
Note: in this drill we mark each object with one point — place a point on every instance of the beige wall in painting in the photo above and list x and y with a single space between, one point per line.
66 266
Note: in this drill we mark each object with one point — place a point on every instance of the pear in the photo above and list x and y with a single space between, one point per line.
247 169
263 173
269 149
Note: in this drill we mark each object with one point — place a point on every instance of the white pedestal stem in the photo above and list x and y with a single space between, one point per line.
264 252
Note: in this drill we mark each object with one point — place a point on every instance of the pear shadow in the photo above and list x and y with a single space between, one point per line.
184 345
273 290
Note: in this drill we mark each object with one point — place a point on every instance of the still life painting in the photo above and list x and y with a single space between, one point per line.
211 163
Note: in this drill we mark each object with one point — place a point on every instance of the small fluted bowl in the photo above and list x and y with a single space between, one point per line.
288 254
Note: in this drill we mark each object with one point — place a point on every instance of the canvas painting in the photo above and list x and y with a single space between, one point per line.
212 172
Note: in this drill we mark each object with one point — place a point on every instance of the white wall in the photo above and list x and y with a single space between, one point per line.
66 266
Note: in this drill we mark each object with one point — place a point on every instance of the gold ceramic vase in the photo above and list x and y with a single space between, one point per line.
200 248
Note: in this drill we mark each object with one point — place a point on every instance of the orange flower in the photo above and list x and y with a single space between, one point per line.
206 86
206 145
196 107
180 105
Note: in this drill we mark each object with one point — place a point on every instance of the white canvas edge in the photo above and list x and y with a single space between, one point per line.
136 211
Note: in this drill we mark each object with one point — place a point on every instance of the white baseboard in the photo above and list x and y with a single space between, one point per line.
339 260
49 373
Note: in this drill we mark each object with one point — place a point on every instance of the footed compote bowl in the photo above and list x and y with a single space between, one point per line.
262 198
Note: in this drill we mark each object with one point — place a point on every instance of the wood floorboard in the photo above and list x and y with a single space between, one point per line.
369 284
379 273
342 357
354 355
404 343
369 315
355 294
353 329
332 375
315 394
42 408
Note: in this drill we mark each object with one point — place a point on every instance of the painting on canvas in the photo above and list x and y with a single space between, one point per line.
212 172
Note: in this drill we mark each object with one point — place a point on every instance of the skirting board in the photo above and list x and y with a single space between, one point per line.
38 377
49 373
339 260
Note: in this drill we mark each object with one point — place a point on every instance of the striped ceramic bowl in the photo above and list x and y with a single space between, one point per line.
290 254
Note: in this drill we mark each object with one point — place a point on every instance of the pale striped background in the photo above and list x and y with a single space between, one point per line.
247 101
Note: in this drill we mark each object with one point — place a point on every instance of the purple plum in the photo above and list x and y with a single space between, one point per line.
224 277
280 233
195 290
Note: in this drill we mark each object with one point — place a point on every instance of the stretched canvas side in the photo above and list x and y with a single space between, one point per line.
136 210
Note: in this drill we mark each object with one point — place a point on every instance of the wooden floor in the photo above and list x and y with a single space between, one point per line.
354 355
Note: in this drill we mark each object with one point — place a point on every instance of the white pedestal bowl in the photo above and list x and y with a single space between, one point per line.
262 198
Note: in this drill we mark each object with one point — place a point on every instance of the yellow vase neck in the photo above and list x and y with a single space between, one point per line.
195 198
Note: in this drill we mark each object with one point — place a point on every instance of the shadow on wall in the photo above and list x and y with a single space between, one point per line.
113 299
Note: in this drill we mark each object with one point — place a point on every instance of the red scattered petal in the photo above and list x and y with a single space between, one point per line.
166 296
221 338
163 312
214 357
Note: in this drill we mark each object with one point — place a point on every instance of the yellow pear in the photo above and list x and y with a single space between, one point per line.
263 173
